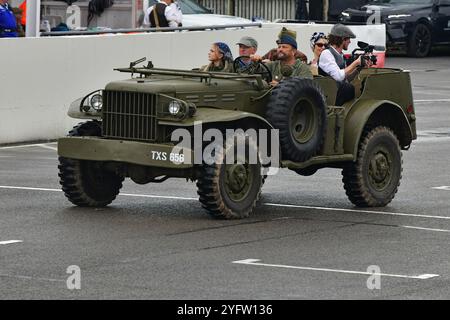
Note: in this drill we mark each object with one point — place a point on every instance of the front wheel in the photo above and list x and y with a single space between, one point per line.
88 183
373 180
230 189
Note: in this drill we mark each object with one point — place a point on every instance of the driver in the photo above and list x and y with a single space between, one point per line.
247 47
287 65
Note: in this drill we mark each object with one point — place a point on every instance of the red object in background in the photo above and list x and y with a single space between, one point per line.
381 57
23 6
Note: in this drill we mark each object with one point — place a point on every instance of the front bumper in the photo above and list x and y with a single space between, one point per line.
146 154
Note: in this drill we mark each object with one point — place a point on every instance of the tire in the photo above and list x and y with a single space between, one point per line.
230 191
297 108
373 180
87 183
419 44
306 172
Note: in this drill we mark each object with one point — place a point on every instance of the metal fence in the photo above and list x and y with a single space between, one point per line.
265 9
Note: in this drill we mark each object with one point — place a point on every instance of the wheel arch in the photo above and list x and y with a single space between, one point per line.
375 113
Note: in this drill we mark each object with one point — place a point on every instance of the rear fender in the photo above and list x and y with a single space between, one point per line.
375 113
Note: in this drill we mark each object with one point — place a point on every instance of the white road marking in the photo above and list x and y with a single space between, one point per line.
30 278
426 229
10 242
46 147
27 146
255 262
431 100
265 204
445 188
359 211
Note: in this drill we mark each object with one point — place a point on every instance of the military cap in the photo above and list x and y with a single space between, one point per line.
339 30
287 36
248 42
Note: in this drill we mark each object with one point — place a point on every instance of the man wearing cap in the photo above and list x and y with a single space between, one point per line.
332 63
247 48
287 65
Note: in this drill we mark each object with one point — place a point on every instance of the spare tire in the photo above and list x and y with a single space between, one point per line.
297 108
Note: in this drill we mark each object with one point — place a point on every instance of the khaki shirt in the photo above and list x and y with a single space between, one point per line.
300 69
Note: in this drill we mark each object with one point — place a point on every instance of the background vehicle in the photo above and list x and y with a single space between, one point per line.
132 124
414 25
195 15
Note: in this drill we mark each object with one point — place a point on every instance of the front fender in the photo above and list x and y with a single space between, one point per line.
211 116
365 110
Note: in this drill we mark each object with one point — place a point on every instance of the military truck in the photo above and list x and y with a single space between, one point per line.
131 124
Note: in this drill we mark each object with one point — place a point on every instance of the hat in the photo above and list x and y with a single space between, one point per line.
225 50
339 30
316 37
248 42
287 36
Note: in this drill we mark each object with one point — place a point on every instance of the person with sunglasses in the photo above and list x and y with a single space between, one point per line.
319 42
332 63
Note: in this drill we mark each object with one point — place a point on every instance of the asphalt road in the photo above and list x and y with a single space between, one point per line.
155 242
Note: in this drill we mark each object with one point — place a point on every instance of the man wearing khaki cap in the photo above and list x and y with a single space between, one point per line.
247 47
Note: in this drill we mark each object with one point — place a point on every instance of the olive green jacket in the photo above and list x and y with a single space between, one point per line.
300 69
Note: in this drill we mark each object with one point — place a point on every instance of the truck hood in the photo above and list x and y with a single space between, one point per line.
177 84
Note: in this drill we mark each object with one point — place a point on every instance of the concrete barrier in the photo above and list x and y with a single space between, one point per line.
40 77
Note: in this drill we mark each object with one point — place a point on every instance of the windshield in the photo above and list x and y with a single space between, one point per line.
403 1
187 6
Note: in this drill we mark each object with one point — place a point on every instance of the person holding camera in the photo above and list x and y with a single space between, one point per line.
332 63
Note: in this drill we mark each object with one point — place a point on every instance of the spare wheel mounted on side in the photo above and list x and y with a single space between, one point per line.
297 108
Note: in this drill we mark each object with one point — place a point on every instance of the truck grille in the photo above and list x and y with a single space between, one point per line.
129 115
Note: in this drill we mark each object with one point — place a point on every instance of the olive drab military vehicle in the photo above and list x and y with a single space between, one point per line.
131 124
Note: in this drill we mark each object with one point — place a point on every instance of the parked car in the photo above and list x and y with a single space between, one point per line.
414 25
196 15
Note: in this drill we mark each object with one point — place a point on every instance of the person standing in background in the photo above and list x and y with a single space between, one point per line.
301 12
8 24
166 13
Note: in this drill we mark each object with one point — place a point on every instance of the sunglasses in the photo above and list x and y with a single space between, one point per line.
320 45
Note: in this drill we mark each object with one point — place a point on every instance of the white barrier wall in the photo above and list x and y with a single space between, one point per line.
40 77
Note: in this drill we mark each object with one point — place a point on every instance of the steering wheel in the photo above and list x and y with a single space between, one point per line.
254 67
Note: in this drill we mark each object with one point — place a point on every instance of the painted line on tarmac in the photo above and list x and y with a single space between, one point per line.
10 242
431 100
2 275
358 211
426 229
265 204
29 146
256 262
444 188
46 147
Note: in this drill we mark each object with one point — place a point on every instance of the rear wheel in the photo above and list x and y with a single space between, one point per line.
231 189
88 183
373 180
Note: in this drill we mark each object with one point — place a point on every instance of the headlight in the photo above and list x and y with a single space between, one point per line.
97 102
92 103
398 16
175 108
345 14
